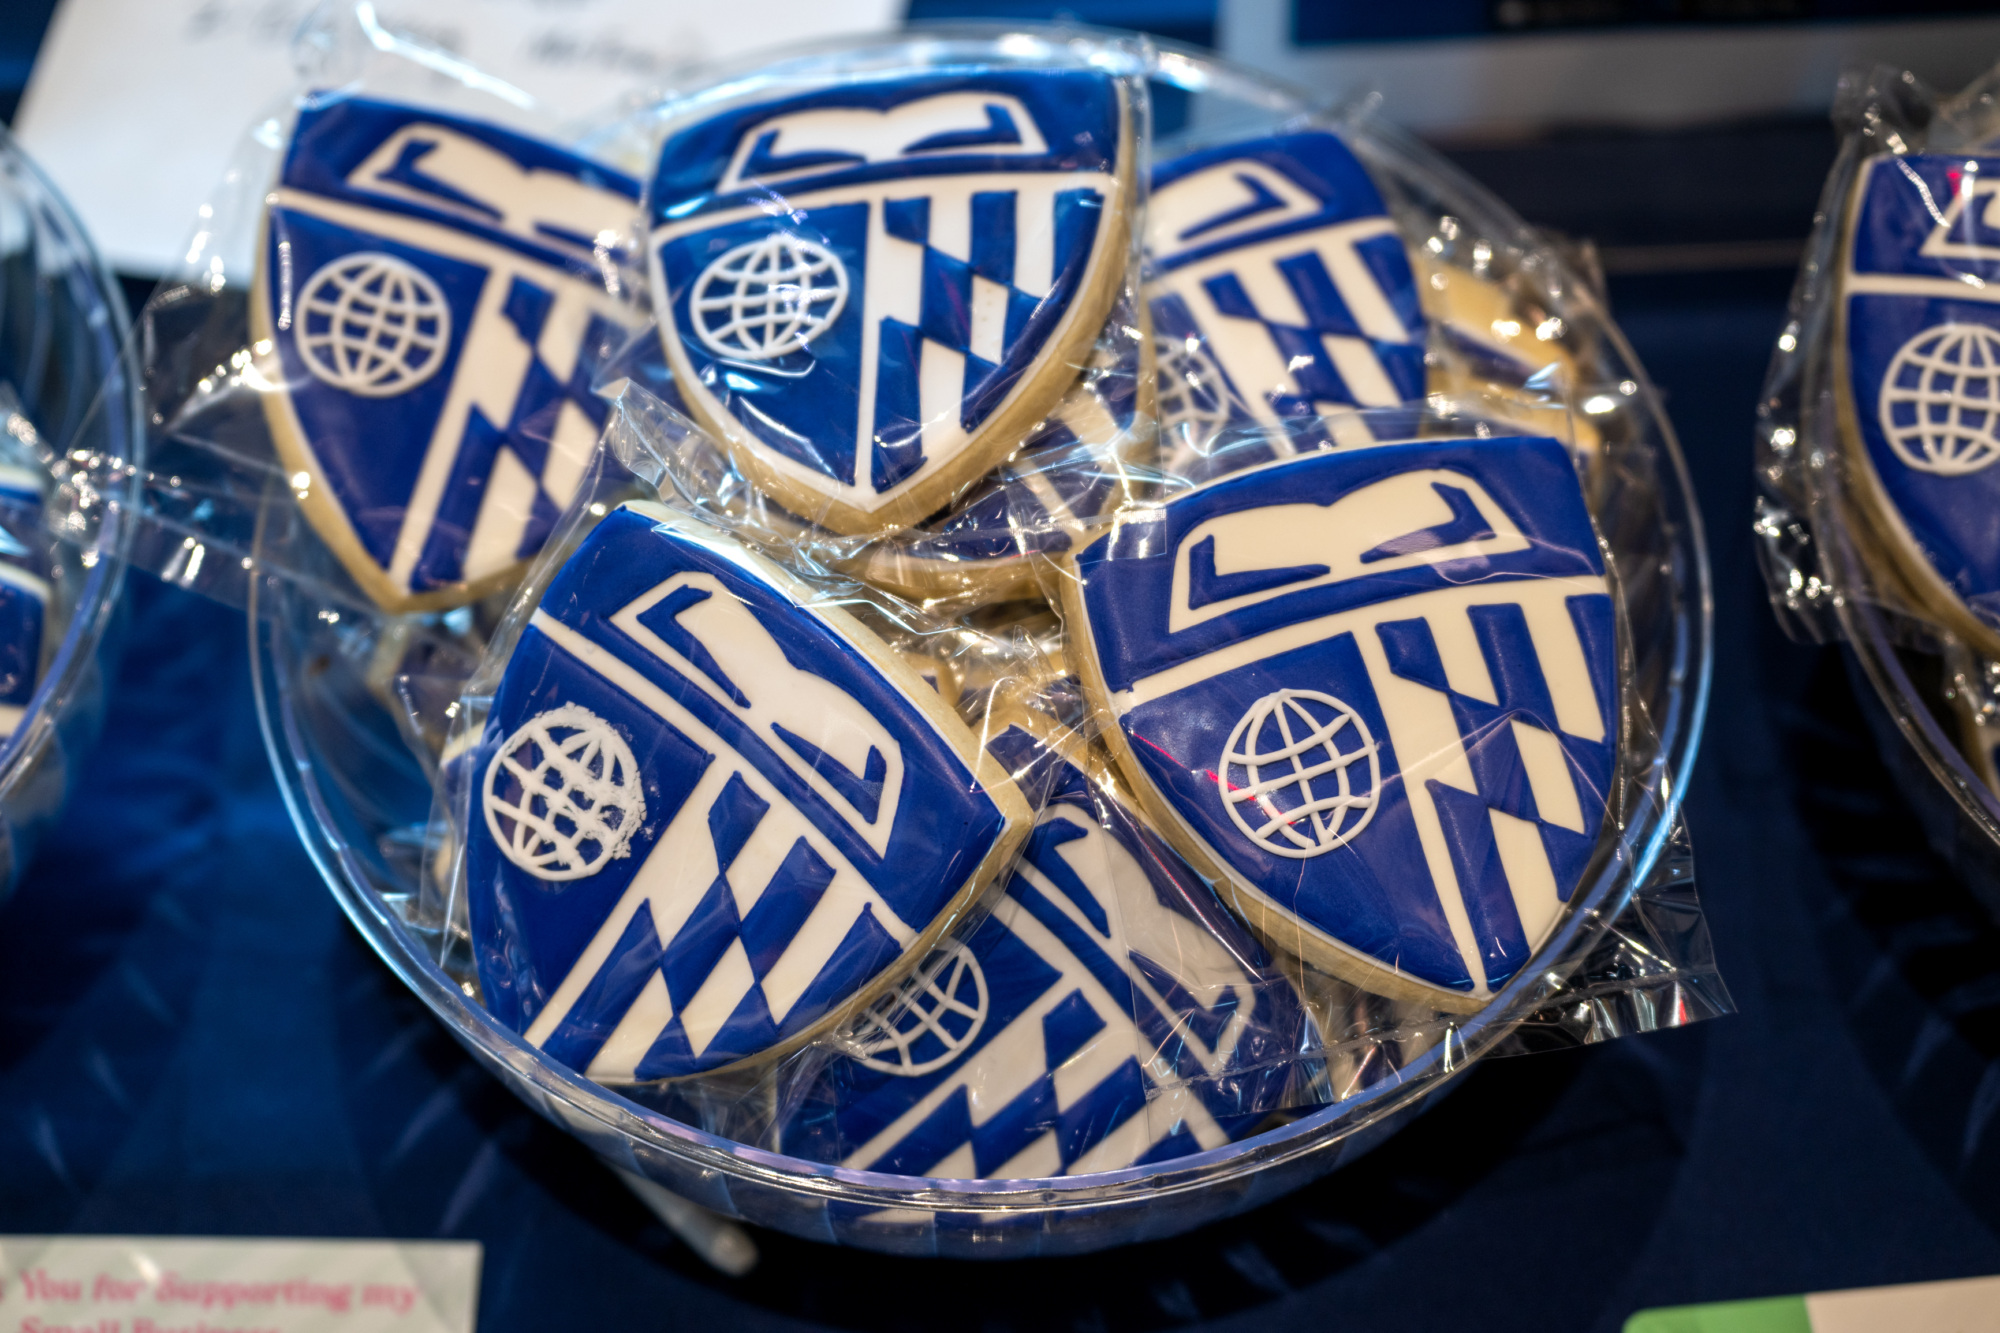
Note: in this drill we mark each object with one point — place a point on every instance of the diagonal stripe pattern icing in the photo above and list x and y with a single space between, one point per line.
430 295
1377 690
1106 1013
792 826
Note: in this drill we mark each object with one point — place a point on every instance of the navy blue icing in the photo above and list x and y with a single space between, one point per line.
528 932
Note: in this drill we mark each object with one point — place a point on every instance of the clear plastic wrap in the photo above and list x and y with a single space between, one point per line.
1167 1040
391 314
71 452
1876 434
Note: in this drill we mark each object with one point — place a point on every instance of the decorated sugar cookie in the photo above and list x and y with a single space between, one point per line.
1919 375
1371 692
431 305
1105 1014
1499 344
1072 471
709 817
873 293
1279 290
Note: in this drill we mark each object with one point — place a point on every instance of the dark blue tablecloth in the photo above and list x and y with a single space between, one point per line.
193 1041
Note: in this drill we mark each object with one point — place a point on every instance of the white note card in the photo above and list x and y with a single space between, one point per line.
155 1284
135 106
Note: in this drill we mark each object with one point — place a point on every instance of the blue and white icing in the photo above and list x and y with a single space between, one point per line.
1070 472
858 287
433 293
24 590
1280 291
1922 344
1376 691
1105 1014
706 817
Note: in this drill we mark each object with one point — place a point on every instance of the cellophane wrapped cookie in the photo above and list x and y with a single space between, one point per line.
1079 654
1877 431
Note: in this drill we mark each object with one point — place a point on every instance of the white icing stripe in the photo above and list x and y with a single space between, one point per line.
1564 665
561 343
989 320
503 517
492 366
893 291
843 904
1035 233
671 882
941 395
951 224
571 445
1427 744
27 582
1357 285
1548 777
770 843
1125 1144
1464 661
1361 370
1893 284
1530 878
1040 1160
1539 598
717 997
617 1061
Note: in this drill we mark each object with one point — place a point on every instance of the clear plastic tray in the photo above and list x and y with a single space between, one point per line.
361 801
65 350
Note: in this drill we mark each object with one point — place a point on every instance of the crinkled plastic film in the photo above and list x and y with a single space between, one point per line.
70 450
384 726
1835 565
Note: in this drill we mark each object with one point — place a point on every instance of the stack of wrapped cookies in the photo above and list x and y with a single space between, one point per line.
951 634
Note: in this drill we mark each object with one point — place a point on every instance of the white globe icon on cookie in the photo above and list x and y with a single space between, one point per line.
1940 405
768 298
373 325
1300 774
562 796
945 998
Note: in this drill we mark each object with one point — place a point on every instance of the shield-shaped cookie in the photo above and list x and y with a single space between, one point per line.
1279 290
1373 693
1106 1013
431 302
709 816
1920 340
1078 467
872 293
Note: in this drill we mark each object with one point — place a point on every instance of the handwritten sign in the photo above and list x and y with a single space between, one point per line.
146 1284
135 106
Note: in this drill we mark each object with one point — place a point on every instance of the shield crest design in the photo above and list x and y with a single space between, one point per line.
707 819
1920 334
1373 693
873 293
1280 291
431 302
1077 467
1106 1013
